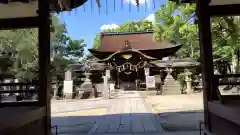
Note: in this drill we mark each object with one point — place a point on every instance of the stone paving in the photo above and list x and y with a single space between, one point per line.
179 113
127 114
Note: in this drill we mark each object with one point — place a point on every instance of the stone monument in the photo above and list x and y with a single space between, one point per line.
106 91
68 85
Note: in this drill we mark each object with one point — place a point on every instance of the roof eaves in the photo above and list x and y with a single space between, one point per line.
125 33
58 5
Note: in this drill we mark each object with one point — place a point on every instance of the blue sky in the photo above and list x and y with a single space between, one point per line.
86 21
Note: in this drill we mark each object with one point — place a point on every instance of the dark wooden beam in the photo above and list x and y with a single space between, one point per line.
229 112
204 26
231 97
19 23
44 61
17 104
225 10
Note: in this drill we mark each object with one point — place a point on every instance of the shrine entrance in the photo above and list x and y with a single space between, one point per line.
126 66
127 80
129 56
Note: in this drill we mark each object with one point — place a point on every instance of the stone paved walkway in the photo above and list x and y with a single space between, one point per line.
128 115
125 114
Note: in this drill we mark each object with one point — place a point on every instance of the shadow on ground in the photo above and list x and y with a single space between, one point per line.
115 123
128 123
181 120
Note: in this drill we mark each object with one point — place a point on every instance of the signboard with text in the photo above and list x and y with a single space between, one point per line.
150 81
68 87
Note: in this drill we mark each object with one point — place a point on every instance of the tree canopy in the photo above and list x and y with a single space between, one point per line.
20 47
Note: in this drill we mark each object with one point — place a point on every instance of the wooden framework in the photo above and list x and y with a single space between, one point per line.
221 112
35 111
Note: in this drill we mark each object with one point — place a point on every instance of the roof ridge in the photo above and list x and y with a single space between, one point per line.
126 33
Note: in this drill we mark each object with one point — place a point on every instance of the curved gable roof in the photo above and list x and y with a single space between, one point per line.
113 42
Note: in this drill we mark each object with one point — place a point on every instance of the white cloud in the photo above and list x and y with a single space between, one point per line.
141 2
109 26
151 18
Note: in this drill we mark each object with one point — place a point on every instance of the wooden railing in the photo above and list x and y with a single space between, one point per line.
12 94
234 81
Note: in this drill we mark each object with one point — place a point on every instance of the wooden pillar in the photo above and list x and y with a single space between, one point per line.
44 61
204 25
118 80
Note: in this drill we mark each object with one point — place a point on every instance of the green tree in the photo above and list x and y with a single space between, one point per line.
65 50
175 22
96 41
20 48
130 26
226 39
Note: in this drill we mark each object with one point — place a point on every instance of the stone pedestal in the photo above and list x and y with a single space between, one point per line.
189 86
171 86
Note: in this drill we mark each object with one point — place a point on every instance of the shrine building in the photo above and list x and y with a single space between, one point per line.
129 56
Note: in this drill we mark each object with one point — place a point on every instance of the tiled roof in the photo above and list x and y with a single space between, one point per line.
112 42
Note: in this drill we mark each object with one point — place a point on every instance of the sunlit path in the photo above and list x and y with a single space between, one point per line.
127 115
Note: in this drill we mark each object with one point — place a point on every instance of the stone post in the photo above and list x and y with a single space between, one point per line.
68 85
68 75
55 90
188 80
146 71
106 94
